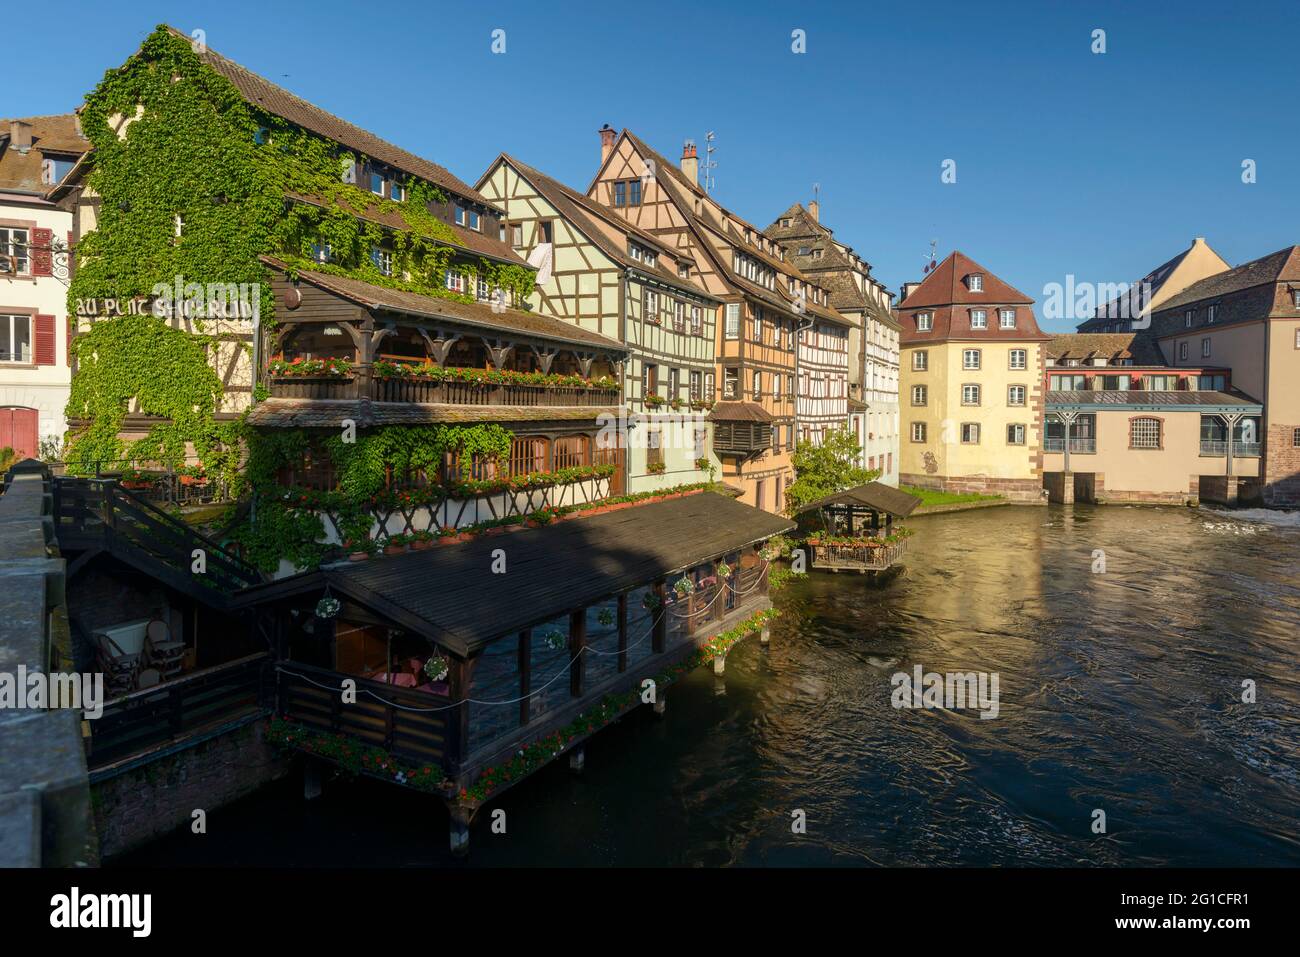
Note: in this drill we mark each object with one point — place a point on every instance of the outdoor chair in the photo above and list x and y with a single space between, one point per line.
120 669
161 651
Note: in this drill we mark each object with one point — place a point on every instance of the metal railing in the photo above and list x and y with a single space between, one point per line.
1085 444
1248 450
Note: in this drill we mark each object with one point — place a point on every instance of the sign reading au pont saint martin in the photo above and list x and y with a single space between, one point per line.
181 300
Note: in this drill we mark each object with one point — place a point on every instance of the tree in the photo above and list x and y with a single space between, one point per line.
826 469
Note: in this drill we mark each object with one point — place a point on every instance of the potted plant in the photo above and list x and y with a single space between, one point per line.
723 570
358 549
436 668
605 617
555 639
656 468
396 544
422 540
684 587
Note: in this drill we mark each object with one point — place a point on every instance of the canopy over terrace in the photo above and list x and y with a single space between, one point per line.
873 498
857 527
463 599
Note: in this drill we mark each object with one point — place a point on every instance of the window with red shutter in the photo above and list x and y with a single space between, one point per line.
43 340
41 252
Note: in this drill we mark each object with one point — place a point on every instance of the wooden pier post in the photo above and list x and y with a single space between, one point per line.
459 831
525 675
577 646
720 664
660 639
313 779
622 633
765 634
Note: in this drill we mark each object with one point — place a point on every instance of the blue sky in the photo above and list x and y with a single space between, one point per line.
1067 161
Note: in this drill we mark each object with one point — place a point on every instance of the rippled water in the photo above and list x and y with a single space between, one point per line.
1119 691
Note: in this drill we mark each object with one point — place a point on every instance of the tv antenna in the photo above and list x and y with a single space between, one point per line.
709 163
931 259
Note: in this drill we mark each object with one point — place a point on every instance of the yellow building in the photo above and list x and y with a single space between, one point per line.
972 374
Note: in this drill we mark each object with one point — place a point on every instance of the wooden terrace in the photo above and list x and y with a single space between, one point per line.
854 530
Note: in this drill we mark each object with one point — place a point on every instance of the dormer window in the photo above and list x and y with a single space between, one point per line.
1188 318
396 191
634 251
979 319
785 224
382 260
1211 312
377 183
975 282
1007 318
1295 298
467 217
924 321
684 270
805 250
817 254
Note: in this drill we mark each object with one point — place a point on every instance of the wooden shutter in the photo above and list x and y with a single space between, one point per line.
43 340
42 257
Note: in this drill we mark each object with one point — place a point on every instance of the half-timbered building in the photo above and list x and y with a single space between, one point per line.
608 276
766 300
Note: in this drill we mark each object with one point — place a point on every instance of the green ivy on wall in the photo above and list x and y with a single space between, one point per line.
200 151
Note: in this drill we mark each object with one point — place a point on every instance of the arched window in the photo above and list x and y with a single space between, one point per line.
530 453
570 451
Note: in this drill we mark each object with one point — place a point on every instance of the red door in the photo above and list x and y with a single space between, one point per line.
18 431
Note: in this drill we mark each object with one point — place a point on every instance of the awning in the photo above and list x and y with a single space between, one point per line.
874 495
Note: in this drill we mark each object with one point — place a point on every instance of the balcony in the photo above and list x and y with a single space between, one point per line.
446 392
1219 449
1084 444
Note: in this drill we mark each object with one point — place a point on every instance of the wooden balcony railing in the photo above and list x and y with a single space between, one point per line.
451 393
857 557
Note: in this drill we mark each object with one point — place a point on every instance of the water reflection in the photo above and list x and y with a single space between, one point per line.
1119 691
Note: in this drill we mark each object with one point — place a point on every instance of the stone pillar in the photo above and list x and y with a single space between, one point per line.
720 665
1067 488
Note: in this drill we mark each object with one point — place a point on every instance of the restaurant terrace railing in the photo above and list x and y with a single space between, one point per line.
857 557
1220 448
1077 444
145 719
410 723
444 392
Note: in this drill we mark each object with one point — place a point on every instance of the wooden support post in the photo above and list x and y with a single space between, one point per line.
660 639
525 675
577 654
622 632
460 676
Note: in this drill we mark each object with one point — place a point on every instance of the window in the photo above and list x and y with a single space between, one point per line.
1205 347
979 319
970 395
1295 438
918 431
757 390
1210 383
634 192
975 282
1188 317
455 281
570 452
970 433
321 251
651 306
920 360
924 321
731 384
1015 434
674 384
789 384
1068 383
654 447
695 387
919 395
383 260
1113 383
1182 351
529 454
1019 358
482 291
1211 312
15 338
517 234
1295 301
697 321
13 242
1016 395
970 359
469 218
732 329
377 183
1144 433
620 194
684 270
1007 318
679 316
649 379
758 325
708 386
776 387
545 231
396 191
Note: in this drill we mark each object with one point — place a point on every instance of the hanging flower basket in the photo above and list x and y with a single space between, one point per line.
683 587
555 639
436 668
650 602
327 607
724 570
605 617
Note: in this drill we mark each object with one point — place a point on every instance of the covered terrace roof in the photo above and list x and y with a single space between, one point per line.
873 495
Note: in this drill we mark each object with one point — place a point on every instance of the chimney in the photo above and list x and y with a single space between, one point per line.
606 142
907 290
20 135
690 163
815 211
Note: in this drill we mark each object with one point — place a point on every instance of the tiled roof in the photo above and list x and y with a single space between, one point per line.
467 239
740 412
584 213
474 314
875 495
265 95
1281 266
332 413
946 296
59 135
1108 345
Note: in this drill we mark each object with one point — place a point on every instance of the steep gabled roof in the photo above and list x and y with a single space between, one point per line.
588 215
946 285
945 294
265 95
1281 266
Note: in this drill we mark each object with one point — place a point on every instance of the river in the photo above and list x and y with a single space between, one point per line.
1120 691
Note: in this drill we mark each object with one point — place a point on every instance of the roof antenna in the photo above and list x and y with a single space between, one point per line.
709 163
931 263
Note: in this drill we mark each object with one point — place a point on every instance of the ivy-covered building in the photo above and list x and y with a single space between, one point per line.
270 293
